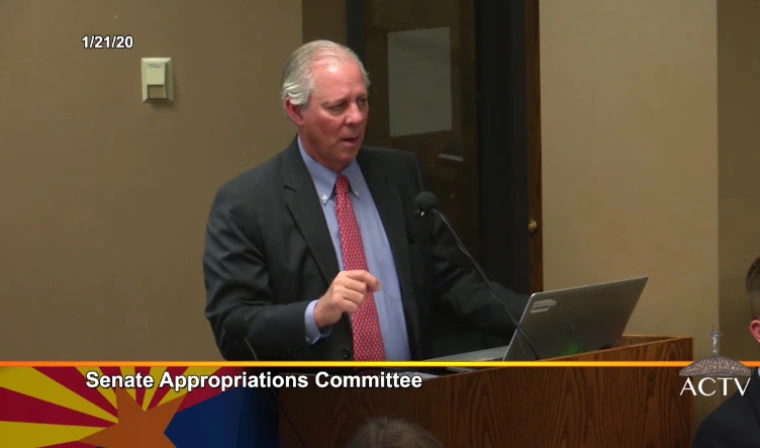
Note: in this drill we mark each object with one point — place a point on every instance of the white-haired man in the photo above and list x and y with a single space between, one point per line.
736 422
320 248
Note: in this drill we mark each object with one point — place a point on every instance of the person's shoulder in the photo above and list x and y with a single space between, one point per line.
257 178
389 154
399 164
728 423
251 189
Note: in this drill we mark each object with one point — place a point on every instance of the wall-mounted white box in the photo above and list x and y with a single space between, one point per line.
157 79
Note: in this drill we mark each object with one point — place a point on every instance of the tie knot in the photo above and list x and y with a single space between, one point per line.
341 184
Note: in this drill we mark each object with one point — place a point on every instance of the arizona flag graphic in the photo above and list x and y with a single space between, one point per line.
54 407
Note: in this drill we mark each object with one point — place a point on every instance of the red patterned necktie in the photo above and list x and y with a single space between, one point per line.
368 340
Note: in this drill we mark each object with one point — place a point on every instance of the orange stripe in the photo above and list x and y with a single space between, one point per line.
128 366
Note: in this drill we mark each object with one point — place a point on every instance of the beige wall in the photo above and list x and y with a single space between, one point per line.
629 128
739 164
105 198
324 19
630 155
650 158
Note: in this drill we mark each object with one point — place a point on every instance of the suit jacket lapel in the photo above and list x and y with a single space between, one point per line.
303 203
389 207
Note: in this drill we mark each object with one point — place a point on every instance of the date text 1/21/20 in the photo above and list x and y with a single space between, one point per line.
107 42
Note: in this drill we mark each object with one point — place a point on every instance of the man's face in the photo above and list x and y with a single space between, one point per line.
332 124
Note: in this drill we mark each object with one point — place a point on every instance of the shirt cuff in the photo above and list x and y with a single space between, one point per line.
313 334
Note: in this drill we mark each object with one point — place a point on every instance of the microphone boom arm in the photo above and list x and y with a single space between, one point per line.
483 276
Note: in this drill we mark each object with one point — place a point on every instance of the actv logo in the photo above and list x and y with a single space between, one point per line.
707 387
718 373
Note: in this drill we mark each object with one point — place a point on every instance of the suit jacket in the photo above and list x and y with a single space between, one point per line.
268 254
735 423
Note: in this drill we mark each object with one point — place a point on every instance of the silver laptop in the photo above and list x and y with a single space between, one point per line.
566 322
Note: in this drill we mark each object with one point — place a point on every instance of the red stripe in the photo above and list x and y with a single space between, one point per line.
22 408
70 445
111 371
200 395
140 392
71 378
161 393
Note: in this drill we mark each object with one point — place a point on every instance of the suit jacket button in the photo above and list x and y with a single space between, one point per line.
346 353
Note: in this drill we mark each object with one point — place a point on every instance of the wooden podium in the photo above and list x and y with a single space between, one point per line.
520 407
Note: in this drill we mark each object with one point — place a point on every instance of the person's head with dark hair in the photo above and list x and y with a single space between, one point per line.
392 433
752 286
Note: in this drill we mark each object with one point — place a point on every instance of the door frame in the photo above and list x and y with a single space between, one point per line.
509 117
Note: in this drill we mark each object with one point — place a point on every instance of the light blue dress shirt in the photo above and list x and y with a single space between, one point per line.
377 252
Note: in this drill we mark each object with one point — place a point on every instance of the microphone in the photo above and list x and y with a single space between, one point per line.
426 202
236 327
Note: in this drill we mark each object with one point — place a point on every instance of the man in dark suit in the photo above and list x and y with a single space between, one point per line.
321 247
736 422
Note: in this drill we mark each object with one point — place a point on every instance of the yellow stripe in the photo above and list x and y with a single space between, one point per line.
201 371
35 384
156 373
129 371
32 435
106 393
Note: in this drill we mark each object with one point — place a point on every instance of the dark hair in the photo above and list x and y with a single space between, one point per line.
753 287
392 433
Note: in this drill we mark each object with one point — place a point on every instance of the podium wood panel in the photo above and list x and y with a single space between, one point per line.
520 407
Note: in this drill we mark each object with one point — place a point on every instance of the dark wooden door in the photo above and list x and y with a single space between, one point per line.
421 59
457 82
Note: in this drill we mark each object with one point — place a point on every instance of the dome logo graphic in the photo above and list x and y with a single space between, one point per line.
717 374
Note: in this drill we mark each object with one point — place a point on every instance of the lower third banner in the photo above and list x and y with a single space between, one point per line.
75 407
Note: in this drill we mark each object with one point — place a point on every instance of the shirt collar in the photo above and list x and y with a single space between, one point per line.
324 178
